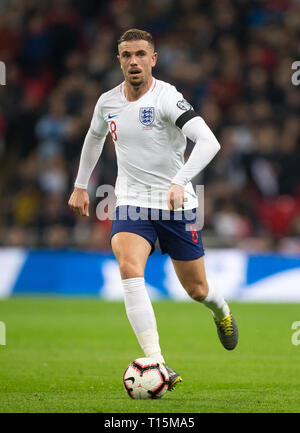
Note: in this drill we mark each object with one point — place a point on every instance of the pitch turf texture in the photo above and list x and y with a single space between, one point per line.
70 355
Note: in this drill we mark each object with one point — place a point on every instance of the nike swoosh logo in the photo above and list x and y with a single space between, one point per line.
111 116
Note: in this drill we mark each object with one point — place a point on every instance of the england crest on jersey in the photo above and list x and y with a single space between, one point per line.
147 115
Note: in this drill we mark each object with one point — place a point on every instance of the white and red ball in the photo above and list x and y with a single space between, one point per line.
146 378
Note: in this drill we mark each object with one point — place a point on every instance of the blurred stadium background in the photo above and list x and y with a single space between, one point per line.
232 59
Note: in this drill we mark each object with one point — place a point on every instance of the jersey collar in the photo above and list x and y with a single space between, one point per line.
151 88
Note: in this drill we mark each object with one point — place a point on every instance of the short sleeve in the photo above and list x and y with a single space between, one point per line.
176 109
98 128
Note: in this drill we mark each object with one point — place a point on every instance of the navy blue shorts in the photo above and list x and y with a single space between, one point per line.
178 234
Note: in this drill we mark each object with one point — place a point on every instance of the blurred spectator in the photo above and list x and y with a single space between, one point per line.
57 236
15 237
51 129
53 177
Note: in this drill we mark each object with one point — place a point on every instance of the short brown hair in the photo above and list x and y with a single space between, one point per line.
136 35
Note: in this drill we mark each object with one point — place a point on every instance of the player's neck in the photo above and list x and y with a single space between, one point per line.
133 93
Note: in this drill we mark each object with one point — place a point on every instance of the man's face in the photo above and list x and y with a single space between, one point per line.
137 59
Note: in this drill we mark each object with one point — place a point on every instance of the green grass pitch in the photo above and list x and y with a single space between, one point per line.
69 355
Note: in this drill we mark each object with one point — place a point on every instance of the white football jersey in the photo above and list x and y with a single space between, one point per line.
149 145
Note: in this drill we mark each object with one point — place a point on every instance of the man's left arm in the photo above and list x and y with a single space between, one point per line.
206 147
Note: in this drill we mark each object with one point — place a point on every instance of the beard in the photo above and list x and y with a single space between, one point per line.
136 81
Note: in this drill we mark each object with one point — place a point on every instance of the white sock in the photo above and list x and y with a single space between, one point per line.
215 302
141 316
149 342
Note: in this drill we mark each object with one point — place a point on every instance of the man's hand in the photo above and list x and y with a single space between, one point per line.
79 202
175 197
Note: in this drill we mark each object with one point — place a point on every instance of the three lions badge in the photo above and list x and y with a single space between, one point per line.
147 115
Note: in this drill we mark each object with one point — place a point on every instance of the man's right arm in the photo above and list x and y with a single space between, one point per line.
91 151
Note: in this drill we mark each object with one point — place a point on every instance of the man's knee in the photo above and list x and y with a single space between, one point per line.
198 291
131 252
130 268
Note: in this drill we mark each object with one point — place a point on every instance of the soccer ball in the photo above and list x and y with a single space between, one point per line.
145 378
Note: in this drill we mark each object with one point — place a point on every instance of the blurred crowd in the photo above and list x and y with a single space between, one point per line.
231 59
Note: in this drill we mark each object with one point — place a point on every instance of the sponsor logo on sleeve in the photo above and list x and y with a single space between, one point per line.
184 105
